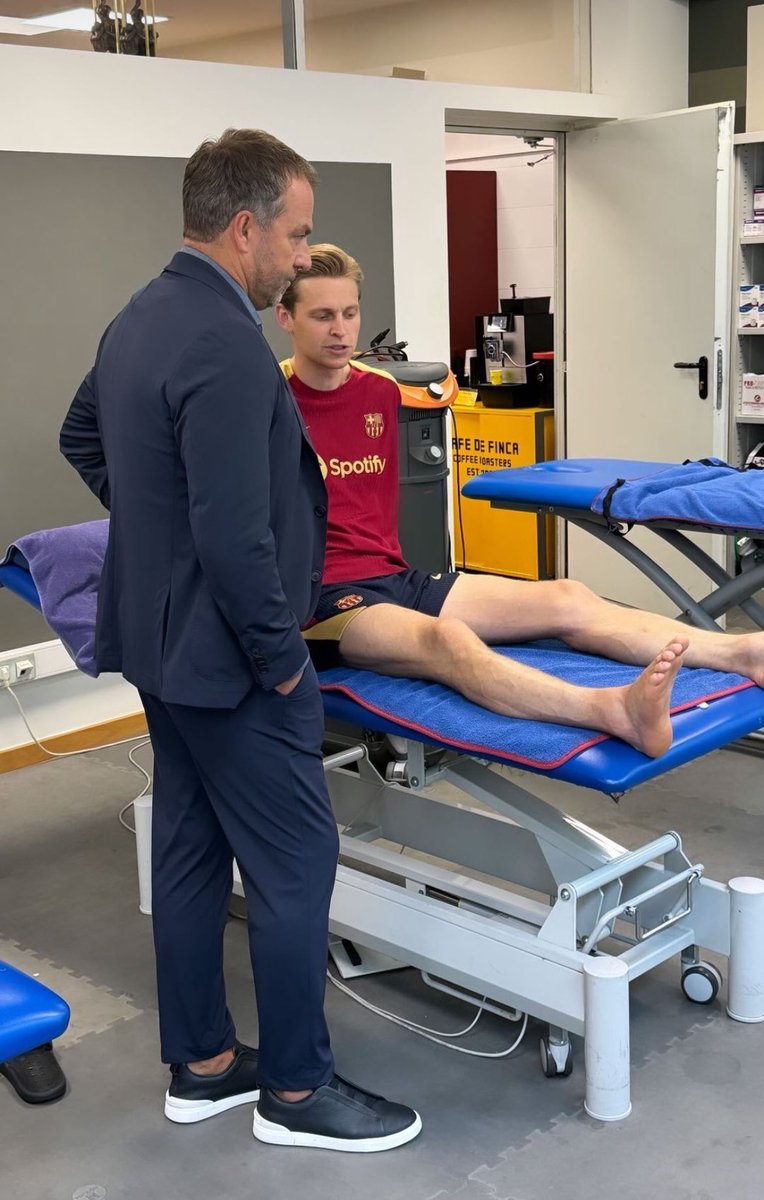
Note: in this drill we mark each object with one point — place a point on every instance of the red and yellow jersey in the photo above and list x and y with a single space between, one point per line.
354 430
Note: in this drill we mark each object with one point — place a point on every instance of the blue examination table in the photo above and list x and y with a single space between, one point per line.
30 1013
569 487
508 901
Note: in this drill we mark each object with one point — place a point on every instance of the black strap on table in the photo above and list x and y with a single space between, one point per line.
615 525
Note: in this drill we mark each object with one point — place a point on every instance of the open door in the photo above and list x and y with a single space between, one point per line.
648 210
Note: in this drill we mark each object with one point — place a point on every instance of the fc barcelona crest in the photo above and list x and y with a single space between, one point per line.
349 601
374 424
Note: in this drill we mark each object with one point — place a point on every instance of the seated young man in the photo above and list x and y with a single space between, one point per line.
378 613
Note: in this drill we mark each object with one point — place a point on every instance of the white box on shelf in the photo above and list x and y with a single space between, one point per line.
758 200
752 396
748 306
753 226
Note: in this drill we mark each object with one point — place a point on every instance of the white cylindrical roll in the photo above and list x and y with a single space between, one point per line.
745 993
606 1046
142 817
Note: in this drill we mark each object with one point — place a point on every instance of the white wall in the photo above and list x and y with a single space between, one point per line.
84 103
525 201
639 52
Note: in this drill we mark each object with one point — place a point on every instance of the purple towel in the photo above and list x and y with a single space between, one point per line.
66 565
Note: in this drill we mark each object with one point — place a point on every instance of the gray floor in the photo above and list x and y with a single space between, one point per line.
494 1130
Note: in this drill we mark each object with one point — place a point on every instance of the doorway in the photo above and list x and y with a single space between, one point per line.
505 286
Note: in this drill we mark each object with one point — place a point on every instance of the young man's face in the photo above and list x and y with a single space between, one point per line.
326 321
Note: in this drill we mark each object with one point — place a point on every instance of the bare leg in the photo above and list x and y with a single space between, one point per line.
509 610
397 641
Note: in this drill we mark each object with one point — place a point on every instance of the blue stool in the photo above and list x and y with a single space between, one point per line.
31 1015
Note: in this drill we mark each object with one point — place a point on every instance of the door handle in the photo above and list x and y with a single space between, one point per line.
701 366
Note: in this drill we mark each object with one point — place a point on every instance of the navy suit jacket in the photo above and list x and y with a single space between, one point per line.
187 431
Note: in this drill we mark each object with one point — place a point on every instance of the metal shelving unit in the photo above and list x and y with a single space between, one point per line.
747 344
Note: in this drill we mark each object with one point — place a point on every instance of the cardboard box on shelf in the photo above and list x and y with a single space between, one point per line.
752 395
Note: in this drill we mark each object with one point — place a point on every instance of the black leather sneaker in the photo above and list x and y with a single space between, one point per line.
193 1097
337 1116
35 1076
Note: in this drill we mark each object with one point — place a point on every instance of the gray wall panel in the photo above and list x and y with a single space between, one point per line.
718 36
78 235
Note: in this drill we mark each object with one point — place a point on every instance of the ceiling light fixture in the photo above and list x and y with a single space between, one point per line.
18 27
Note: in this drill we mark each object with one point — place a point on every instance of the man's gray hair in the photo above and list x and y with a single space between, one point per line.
243 169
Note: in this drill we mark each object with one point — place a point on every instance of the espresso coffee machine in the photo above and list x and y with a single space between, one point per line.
508 340
532 331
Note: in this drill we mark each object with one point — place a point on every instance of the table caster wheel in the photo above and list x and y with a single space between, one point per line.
701 982
556 1058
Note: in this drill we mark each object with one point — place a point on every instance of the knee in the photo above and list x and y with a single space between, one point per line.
447 637
576 607
573 596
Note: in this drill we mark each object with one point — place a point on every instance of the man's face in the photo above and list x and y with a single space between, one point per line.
326 321
281 251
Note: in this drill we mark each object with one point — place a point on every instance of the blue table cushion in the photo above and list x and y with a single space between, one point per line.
563 482
18 580
30 1013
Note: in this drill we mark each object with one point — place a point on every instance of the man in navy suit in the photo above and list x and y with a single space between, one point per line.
186 430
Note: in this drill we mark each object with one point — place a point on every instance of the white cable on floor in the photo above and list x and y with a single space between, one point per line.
140 738
142 792
6 687
431 1035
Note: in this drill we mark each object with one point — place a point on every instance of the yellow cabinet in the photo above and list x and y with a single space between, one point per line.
489 539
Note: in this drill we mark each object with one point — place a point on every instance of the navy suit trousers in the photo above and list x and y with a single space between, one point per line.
245 783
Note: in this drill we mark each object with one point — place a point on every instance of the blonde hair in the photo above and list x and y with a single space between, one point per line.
326 262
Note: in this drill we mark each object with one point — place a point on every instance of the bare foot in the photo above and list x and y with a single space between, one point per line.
646 702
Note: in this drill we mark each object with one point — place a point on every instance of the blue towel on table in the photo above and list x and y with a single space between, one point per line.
705 493
65 565
436 710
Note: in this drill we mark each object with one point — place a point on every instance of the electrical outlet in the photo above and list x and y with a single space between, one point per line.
26 668
18 670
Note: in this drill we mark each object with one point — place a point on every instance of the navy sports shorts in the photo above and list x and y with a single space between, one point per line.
339 603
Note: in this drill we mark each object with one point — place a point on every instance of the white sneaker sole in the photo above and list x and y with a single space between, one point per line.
279 1135
186 1112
